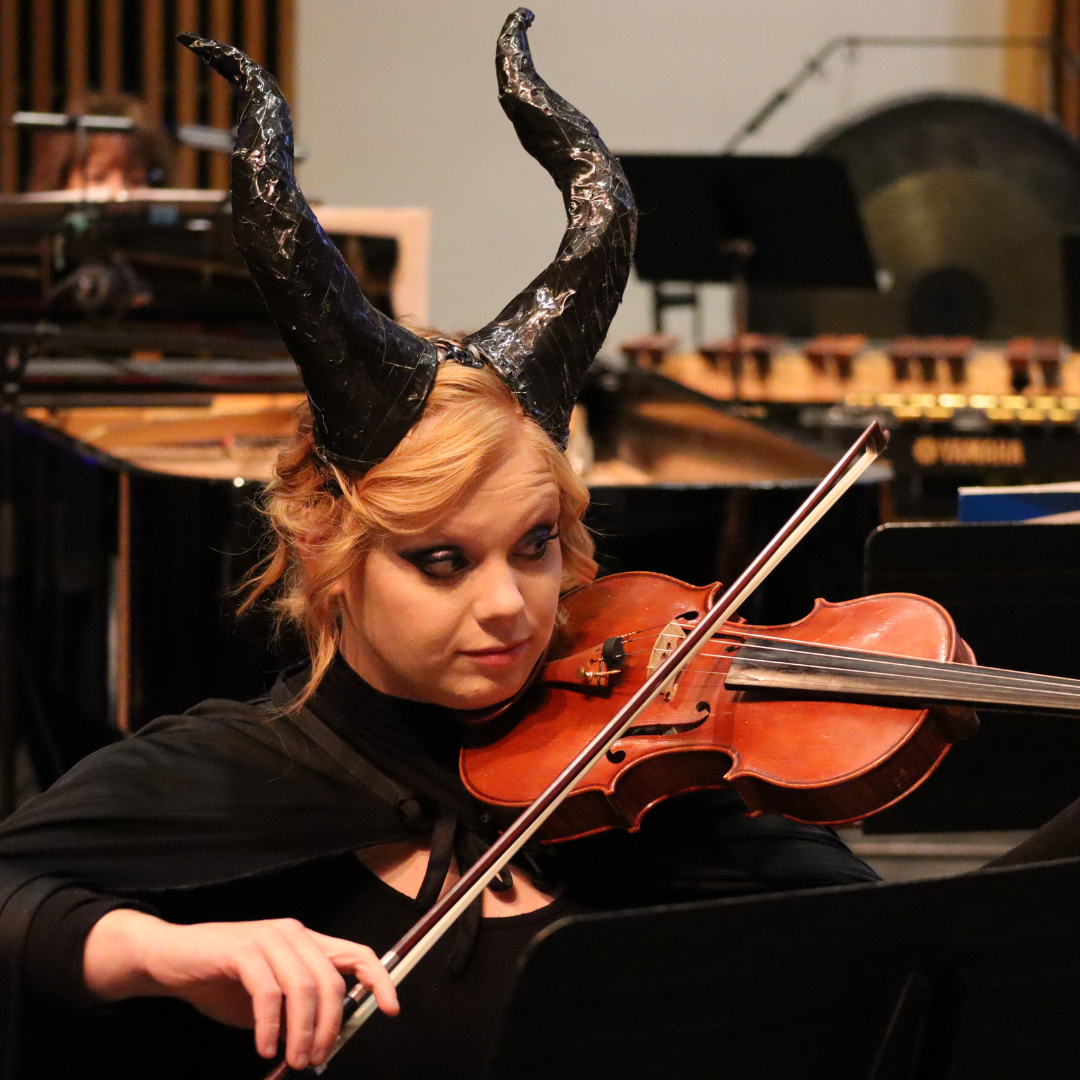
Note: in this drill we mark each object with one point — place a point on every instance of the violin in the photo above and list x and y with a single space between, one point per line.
652 688
824 720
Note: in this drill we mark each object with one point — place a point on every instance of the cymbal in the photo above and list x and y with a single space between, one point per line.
964 200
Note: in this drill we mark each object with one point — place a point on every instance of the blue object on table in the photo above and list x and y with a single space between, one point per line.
1030 502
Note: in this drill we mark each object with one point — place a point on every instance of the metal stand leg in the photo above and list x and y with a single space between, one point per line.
14 363
7 618
666 295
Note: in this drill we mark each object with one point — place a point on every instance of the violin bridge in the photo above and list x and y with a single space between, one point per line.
665 643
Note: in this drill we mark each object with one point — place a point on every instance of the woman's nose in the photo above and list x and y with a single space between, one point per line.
498 596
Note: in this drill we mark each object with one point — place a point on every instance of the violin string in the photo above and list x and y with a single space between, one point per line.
962 674
639 632
695 678
768 642
660 626
688 626
706 680
967 672
721 634
650 648
713 677
983 677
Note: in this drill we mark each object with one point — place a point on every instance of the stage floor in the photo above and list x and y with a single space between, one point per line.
913 856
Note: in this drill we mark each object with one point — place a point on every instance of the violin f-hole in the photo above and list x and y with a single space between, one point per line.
702 707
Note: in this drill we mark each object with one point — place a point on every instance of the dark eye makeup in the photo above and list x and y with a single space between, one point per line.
533 545
447 561
437 562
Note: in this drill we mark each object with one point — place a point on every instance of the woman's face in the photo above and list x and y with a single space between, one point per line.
459 615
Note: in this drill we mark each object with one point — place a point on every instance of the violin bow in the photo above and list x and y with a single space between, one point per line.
359 1003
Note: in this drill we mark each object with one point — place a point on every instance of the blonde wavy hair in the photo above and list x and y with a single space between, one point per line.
325 520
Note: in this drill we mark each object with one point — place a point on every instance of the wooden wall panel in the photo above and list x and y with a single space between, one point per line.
9 93
221 93
1045 79
187 89
111 45
41 51
267 28
286 37
255 30
1067 86
76 52
1065 29
1027 80
153 26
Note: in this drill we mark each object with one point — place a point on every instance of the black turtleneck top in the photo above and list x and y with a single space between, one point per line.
694 847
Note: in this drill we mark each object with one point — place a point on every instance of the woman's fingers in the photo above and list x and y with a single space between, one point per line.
360 961
330 988
370 973
306 968
239 973
280 941
259 980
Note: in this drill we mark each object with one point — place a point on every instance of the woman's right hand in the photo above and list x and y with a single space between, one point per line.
248 974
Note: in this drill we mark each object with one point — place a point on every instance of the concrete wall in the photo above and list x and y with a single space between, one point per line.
396 105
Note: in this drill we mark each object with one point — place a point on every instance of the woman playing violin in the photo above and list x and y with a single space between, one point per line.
251 860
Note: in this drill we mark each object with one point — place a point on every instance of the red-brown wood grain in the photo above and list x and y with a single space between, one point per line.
809 759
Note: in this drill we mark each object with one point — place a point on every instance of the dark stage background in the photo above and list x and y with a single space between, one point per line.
1014 591
192 541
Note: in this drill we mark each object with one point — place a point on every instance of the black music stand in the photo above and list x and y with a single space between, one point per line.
779 221
1013 590
1070 274
974 978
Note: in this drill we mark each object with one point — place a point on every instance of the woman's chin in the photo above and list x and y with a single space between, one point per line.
481 691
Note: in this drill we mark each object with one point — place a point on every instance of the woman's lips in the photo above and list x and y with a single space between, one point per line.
499 656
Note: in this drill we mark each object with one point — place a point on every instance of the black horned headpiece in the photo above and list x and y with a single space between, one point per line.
367 377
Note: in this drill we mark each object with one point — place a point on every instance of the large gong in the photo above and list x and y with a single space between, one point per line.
964 200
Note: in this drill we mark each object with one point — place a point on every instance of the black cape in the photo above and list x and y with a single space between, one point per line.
231 792
224 792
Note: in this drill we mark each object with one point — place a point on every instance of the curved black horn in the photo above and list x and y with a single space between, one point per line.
544 340
367 378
